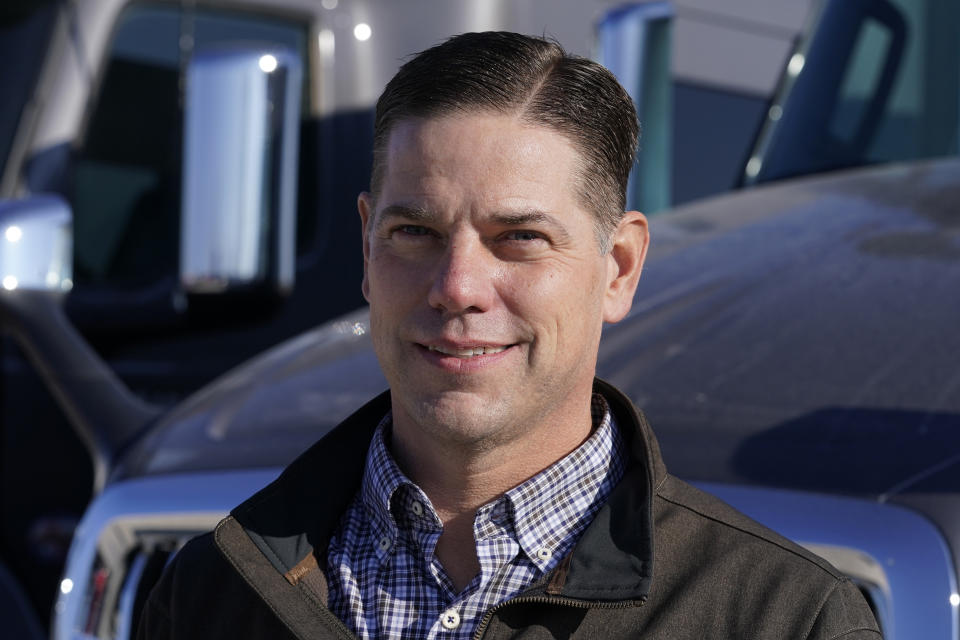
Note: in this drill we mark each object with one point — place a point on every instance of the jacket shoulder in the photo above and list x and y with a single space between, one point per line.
753 577
678 496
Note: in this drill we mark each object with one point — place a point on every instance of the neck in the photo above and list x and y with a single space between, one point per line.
460 477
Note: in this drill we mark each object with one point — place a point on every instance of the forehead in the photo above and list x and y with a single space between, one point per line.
479 157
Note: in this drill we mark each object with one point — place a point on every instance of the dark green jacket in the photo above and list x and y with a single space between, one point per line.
661 560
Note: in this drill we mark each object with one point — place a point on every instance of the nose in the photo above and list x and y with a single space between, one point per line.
463 281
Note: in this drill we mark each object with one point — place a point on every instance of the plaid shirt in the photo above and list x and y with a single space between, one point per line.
385 580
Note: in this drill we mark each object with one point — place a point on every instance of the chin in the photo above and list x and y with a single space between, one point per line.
461 417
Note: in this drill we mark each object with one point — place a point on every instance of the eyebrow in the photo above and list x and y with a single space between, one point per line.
413 214
504 218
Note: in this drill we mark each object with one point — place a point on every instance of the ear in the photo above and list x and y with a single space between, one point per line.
624 264
366 208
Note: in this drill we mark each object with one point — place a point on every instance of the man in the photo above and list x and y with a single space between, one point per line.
498 490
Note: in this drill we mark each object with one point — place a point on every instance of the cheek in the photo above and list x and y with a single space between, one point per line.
562 303
389 277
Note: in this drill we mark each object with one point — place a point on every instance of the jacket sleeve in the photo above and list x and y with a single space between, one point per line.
155 617
177 604
845 615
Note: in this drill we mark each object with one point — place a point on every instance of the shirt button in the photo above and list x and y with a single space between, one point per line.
384 543
450 619
417 509
544 554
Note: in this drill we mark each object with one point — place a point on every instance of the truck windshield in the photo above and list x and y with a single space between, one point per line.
873 82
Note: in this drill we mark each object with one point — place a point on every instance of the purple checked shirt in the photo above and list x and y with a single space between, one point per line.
385 580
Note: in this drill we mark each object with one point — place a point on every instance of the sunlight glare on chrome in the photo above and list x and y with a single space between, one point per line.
13 233
326 42
268 63
362 32
795 66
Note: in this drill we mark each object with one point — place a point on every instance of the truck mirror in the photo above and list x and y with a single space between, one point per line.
36 244
241 126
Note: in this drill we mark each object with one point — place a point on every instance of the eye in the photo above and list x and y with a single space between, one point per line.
413 230
523 236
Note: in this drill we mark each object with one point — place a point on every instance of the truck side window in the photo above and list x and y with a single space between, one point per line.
922 114
126 177
876 82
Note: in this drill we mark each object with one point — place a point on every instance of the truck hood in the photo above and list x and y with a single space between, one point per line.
799 335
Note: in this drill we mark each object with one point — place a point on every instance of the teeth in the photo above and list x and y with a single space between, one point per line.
468 352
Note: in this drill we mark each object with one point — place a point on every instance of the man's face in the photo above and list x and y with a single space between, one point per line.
486 284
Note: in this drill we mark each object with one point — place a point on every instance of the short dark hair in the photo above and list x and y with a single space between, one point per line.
535 78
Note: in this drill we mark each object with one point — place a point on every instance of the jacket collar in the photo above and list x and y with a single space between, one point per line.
613 560
299 512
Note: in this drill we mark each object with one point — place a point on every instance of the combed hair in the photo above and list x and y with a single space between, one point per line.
543 85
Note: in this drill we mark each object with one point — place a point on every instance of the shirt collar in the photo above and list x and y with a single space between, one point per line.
543 514
552 508
388 494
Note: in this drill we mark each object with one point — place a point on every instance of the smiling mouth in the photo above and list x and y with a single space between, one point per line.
468 352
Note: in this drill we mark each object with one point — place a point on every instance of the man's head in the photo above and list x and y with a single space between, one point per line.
487 290
536 80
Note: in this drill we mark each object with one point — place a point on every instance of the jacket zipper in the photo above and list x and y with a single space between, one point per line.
485 621
568 602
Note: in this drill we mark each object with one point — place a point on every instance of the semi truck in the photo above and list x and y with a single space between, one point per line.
92 111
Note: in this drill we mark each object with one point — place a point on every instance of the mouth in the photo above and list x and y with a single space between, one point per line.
468 352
